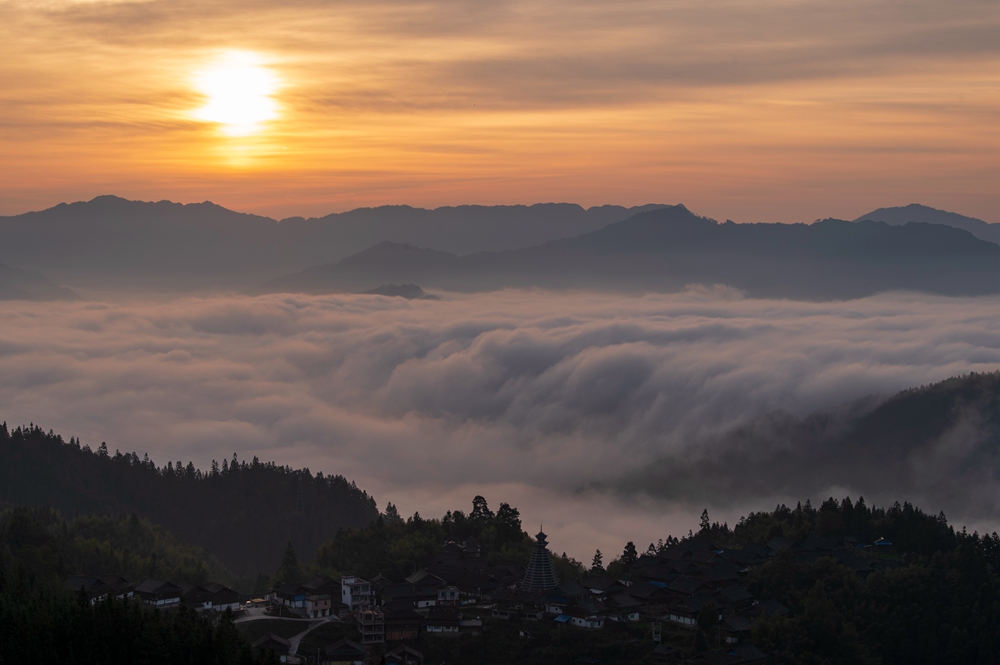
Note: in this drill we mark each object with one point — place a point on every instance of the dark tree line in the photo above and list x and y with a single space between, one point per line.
43 622
906 526
942 609
935 598
49 549
396 548
56 629
243 512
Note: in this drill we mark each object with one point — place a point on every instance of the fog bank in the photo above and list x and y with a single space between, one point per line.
558 403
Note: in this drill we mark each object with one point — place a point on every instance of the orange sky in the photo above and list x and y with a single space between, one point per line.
754 110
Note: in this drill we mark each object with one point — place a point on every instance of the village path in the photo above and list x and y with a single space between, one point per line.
258 614
296 640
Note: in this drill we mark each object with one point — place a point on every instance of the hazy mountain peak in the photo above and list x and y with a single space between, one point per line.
915 212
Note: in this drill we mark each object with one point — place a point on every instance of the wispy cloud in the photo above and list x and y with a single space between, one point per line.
750 110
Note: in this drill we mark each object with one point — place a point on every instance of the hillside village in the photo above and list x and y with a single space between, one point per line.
671 591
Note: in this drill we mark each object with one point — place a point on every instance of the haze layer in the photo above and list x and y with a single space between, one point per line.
555 402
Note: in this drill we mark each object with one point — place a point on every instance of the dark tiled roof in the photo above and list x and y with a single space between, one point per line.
644 590
685 585
290 589
736 594
272 642
320 584
695 603
346 647
400 592
403 649
704 556
74 582
588 606
162 588
771 608
660 572
675 553
736 623
571 589
723 573
624 601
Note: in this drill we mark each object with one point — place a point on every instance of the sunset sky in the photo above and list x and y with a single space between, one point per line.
755 110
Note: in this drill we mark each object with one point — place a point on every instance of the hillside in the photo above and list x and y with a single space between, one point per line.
18 284
113 243
668 248
242 512
52 548
918 213
937 443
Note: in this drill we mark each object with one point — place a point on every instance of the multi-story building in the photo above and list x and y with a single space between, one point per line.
356 592
371 625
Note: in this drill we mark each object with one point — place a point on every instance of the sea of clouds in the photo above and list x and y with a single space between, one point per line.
553 402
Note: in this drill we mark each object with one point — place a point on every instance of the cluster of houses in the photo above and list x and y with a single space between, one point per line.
674 586
158 593
452 595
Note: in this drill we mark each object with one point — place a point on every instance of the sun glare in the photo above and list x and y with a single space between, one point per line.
240 90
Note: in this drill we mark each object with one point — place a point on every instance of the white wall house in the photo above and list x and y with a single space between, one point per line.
355 592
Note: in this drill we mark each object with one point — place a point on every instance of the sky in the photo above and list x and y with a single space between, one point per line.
553 402
752 110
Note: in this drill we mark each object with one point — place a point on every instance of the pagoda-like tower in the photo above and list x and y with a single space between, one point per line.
540 575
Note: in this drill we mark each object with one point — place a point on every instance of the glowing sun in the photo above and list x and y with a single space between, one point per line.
240 93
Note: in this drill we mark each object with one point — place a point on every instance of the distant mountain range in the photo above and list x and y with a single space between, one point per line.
668 248
918 213
114 243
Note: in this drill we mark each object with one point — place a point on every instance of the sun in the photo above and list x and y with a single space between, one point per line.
240 93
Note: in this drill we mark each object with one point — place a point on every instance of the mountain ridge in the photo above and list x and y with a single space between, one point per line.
668 248
111 242
916 212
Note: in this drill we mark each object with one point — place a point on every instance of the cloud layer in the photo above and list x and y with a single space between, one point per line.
540 396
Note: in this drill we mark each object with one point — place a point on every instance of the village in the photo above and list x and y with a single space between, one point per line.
673 591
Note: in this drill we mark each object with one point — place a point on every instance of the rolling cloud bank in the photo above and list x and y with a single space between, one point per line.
570 405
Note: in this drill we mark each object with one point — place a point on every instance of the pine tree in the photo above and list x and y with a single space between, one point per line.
597 566
629 555
289 570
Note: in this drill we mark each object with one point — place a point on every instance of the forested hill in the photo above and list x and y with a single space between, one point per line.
50 548
242 512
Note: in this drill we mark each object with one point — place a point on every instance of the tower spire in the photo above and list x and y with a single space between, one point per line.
540 575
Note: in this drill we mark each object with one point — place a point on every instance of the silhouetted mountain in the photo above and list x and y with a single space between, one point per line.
18 284
919 213
940 441
668 248
408 291
110 242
